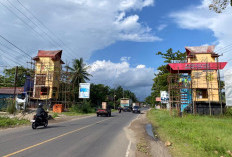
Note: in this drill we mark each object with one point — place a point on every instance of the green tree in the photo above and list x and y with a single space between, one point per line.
98 94
9 75
160 80
219 5
79 72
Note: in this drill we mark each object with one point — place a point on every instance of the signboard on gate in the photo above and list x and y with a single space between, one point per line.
164 97
84 90
157 99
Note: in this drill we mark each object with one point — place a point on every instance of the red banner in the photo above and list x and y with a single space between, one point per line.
196 66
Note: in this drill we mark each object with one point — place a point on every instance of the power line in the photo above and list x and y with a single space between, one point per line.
12 49
48 36
32 22
15 45
9 54
11 60
25 22
44 25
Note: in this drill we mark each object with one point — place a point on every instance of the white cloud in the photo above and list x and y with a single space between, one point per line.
138 80
200 17
140 66
161 27
83 25
125 59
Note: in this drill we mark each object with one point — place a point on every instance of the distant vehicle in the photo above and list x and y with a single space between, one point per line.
126 109
126 104
104 110
136 109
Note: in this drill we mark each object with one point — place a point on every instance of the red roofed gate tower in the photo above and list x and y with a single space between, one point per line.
202 67
47 74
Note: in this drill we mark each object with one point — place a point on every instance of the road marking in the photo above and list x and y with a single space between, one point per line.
128 150
51 139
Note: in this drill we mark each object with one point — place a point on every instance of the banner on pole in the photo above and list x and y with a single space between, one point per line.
84 90
164 97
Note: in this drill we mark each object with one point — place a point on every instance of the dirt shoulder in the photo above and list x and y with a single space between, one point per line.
143 145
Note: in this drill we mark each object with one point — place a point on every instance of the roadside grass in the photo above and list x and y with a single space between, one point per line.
70 113
194 136
7 122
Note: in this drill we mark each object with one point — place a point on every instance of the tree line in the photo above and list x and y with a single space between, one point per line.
74 74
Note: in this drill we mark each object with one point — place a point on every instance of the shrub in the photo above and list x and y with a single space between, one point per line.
228 111
55 115
85 107
11 106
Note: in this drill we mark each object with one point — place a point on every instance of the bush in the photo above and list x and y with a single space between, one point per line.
6 122
228 111
55 115
85 107
11 106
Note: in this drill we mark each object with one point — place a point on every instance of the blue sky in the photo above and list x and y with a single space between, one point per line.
172 36
118 39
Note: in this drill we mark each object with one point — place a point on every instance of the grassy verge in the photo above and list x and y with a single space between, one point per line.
7 122
75 113
194 136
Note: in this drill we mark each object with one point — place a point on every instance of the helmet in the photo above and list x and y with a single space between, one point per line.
40 105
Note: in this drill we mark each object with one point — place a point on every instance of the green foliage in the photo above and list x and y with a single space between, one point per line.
9 75
85 107
193 135
219 5
5 122
169 55
11 106
79 72
55 115
160 80
98 93
228 111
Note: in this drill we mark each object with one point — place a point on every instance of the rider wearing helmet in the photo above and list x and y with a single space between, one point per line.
40 111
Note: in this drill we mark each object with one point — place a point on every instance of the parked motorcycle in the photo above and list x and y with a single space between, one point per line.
39 121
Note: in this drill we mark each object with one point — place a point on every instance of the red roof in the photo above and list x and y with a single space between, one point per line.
43 53
200 49
10 90
55 55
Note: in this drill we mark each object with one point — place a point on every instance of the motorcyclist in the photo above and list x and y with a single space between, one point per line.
119 110
40 111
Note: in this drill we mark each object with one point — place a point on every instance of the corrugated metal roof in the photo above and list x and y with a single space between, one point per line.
10 90
44 53
55 55
200 49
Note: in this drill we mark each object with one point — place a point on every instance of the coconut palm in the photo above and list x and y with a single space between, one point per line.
79 72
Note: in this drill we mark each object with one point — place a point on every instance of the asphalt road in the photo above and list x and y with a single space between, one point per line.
87 137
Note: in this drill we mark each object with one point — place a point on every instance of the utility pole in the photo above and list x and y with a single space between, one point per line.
219 86
208 90
15 79
66 77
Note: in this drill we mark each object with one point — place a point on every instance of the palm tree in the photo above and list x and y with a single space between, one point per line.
78 73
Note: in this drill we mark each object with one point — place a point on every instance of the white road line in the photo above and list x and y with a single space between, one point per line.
128 150
129 145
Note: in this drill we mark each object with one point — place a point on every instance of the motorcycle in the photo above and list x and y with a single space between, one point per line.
39 121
